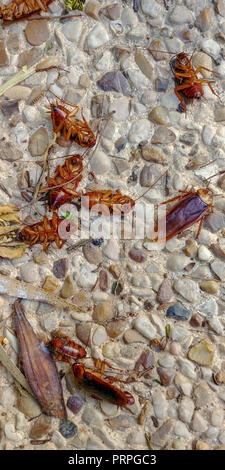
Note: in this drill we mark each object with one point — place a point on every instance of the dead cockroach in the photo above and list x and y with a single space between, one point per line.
108 201
186 79
39 367
66 178
20 8
191 207
72 128
64 349
101 388
44 232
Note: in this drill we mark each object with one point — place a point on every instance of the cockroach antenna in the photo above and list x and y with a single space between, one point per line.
154 183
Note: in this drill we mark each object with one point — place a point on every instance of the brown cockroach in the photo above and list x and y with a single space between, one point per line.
108 201
64 349
65 121
101 388
21 8
186 79
192 207
66 179
45 231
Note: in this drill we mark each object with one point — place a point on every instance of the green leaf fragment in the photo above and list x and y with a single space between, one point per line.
147 437
74 4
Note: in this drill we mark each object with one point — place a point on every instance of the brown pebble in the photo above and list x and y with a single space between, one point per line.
40 427
104 281
37 32
92 253
153 153
83 331
196 320
132 336
209 286
67 288
115 328
172 393
165 377
103 311
191 248
155 46
205 20
81 298
29 57
201 445
50 284
3 56
163 135
165 292
38 142
60 268
137 255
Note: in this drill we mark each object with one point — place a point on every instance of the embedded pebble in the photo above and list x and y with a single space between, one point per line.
4 60
92 253
67 428
202 353
217 417
104 280
18 92
112 250
183 384
159 114
218 268
100 164
137 255
38 142
87 278
203 60
211 47
186 409
37 32
201 394
204 254
175 348
153 153
143 63
187 289
180 15
9 152
165 292
115 81
178 311
41 427
160 404
50 284
72 30
210 307
205 20
97 37
29 406
139 131
103 311
215 325
162 434
166 376
99 336
163 135
30 273
177 262
144 326
75 404
83 331
68 288
60 268
115 328
13 435
211 287
132 336
112 11
199 423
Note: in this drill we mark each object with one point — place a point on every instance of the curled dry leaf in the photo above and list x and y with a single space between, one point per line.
25 290
12 253
39 367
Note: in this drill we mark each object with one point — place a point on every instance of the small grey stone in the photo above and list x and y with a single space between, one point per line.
115 81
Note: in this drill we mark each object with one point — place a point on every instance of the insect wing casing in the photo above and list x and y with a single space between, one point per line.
100 388
189 210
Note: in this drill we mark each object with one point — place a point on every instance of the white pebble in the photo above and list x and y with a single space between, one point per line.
139 131
86 277
219 268
180 15
120 106
217 417
99 336
151 8
144 326
72 30
208 134
177 262
180 429
112 250
160 404
188 368
204 254
211 47
183 384
209 307
97 37
12 434
30 273
188 289
199 424
186 409
100 163
166 360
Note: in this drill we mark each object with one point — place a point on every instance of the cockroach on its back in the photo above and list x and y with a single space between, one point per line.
191 208
20 8
101 388
71 174
45 231
64 349
65 121
113 201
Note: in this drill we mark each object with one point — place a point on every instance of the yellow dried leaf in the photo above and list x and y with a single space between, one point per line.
7 208
8 229
11 253
10 217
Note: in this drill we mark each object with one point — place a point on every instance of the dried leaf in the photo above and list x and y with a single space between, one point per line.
12 253
5 209
10 217
9 228
14 371
25 290
40 369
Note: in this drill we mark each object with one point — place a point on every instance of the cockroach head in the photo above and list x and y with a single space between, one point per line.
206 195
